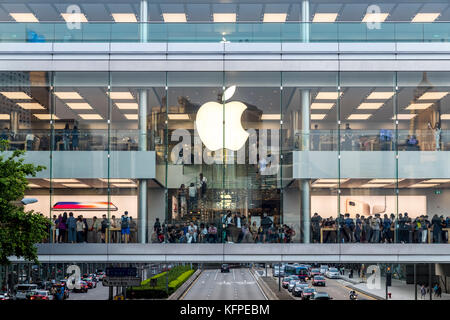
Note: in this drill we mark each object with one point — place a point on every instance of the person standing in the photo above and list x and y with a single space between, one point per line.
62 226
182 201
72 228
423 292
86 229
80 229
113 225
104 227
66 137
437 135
316 138
125 227
96 228
192 196
202 186
386 229
75 135
315 225
266 223
358 228
437 228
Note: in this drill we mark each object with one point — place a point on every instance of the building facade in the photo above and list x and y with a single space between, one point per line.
226 115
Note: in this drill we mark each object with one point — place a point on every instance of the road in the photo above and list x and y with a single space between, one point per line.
99 293
335 288
238 284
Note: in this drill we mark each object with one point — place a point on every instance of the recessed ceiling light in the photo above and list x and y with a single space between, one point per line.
271 116
436 181
330 180
445 116
420 185
328 95
378 95
5 116
425 17
362 116
63 180
318 116
74 17
321 106
68 95
30 105
178 116
174 17
32 185
16 95
24 17
370 105
324 185
76 185
224 17
90 116
385 181
274 17
418 106
433 95
131 116
124 17
130 185
325 17
375 17
402 116
117 180
121 95
45 116
374 185
127 105
79 106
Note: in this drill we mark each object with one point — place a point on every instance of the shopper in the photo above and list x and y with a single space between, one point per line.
62 226
80 229
72 228
125 227
104 227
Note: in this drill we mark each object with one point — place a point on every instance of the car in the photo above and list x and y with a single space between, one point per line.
101 275
23 291
323 269
41 295
321 296
90 282
225 268
4 296
292 284
332 273
298 289
307 293
314 272
318 281
83 287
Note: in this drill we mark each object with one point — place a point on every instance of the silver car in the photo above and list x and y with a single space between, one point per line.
292 284
333 273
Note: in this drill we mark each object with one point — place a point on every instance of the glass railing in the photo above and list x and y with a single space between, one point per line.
226 32
81 140
374 140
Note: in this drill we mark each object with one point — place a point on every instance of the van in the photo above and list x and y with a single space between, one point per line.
23 291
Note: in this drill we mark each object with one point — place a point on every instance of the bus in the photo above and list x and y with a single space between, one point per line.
298 270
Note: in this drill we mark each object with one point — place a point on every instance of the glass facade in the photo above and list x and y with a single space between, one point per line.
222 150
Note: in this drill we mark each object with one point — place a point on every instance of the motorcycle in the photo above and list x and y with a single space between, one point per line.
353 296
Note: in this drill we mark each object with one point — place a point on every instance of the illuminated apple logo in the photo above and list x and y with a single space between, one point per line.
210 124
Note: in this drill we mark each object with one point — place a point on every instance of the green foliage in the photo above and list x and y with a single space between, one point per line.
176 277
19 230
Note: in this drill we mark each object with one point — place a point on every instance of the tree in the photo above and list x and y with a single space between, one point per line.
19 230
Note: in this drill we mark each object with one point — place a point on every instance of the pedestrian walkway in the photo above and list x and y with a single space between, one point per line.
399 289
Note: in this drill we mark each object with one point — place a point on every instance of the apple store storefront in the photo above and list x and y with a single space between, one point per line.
230 151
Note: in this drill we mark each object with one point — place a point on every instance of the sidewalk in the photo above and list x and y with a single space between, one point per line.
399 289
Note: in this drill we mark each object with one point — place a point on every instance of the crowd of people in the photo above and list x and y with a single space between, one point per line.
65 228
377 229
233 228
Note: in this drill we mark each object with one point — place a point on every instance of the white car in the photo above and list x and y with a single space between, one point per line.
333 273
292 284
4 296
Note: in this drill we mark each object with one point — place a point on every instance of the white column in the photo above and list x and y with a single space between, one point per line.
143 19
305 184
142 194
305 20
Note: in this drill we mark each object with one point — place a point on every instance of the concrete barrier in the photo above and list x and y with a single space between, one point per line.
185 286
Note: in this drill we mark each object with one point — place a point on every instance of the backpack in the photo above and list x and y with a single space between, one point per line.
125 222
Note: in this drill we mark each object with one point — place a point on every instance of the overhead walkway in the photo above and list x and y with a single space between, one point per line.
244 253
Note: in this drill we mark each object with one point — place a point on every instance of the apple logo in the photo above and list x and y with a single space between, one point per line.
210 124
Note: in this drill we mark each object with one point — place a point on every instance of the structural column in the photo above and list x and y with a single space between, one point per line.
143 18
142 206
305 183
305 21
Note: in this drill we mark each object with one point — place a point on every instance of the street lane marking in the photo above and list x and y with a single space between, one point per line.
217 272
190 287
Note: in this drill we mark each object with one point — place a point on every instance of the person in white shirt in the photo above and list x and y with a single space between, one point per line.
192 196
